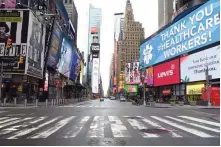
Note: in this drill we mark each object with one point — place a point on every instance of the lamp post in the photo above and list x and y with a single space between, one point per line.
208 84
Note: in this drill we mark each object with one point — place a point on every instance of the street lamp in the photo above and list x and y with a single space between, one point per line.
208 84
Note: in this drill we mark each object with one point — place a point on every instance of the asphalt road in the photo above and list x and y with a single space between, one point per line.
108 123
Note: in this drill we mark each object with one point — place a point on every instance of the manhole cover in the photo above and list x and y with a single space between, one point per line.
155 131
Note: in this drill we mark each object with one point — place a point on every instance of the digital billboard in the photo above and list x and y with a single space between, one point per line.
75 67
193 66
95 75
167 73
198 29
65 57
149 76
132 75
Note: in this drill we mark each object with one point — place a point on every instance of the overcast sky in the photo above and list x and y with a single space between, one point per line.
145 11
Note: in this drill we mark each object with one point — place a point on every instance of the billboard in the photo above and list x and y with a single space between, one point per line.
65 57
14 26
149 76
10 3
95 75
75 67
81 72
198 29
55 46
194 89
132 73
193 66
36 44
167 73
131 88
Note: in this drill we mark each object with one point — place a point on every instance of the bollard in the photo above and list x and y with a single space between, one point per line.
52 101
4 101
15 101
25 102
36 102
57 101
62 101
46 103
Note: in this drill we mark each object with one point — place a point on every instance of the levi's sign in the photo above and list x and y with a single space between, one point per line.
198 29
167 73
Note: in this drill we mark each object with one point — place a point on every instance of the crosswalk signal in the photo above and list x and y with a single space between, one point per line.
9 43
21 59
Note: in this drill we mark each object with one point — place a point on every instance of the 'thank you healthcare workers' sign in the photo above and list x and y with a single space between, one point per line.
198 29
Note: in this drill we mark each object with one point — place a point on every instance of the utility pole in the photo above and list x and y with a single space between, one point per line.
208 84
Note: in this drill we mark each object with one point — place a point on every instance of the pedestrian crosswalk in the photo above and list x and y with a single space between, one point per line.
43 127
86 106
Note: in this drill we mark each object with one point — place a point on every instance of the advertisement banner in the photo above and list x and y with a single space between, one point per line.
131 88
127 73
149 76
132 73
75 67
95 75
10 3
193 66
194 89
198 29
14 27
65 57
167 73
81 72
36 44
55 46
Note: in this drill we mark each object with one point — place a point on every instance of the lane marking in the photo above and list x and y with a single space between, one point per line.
154 124
29 130
190 130
76 129
97 127
140 126
14 122
47 132
8 120
16 127
192 124
118 129
201 120
2 118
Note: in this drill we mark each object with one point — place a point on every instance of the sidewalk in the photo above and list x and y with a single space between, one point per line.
41 104
160 105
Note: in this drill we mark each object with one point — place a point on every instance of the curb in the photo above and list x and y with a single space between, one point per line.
215 117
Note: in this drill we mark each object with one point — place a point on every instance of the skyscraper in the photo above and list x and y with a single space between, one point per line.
133 34
165 12
93 52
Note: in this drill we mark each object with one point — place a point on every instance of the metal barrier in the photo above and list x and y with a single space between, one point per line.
46 103
15 101
4 101
25 102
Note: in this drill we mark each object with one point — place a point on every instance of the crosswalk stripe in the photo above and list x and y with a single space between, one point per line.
14 122
118 129
154 124
190 130
97 127
27 131
201 120
139 126
15 128
3 118
77 128
8 120
51 130
196 125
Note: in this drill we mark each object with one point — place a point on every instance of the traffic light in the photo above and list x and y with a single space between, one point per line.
9 43
21 59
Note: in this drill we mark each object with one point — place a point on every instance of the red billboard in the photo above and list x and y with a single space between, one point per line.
167 73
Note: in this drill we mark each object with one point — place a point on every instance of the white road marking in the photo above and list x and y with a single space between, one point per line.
14 122
15 128
97 127
78 106
29 130
190 130
8 120
118 129
154 124
47 132
2 118
90 106
201 120
196 125
3 111
77 128
96 106
139 126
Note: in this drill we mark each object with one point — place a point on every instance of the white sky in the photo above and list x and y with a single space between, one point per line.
145 11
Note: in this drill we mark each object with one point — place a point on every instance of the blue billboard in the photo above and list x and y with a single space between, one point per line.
75 67
198 29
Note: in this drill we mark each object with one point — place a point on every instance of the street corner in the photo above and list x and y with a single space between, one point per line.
215 117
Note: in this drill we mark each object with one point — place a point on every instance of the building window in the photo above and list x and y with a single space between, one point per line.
70 1
66 1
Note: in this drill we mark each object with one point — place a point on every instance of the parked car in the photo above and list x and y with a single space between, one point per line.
101 99
122 99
